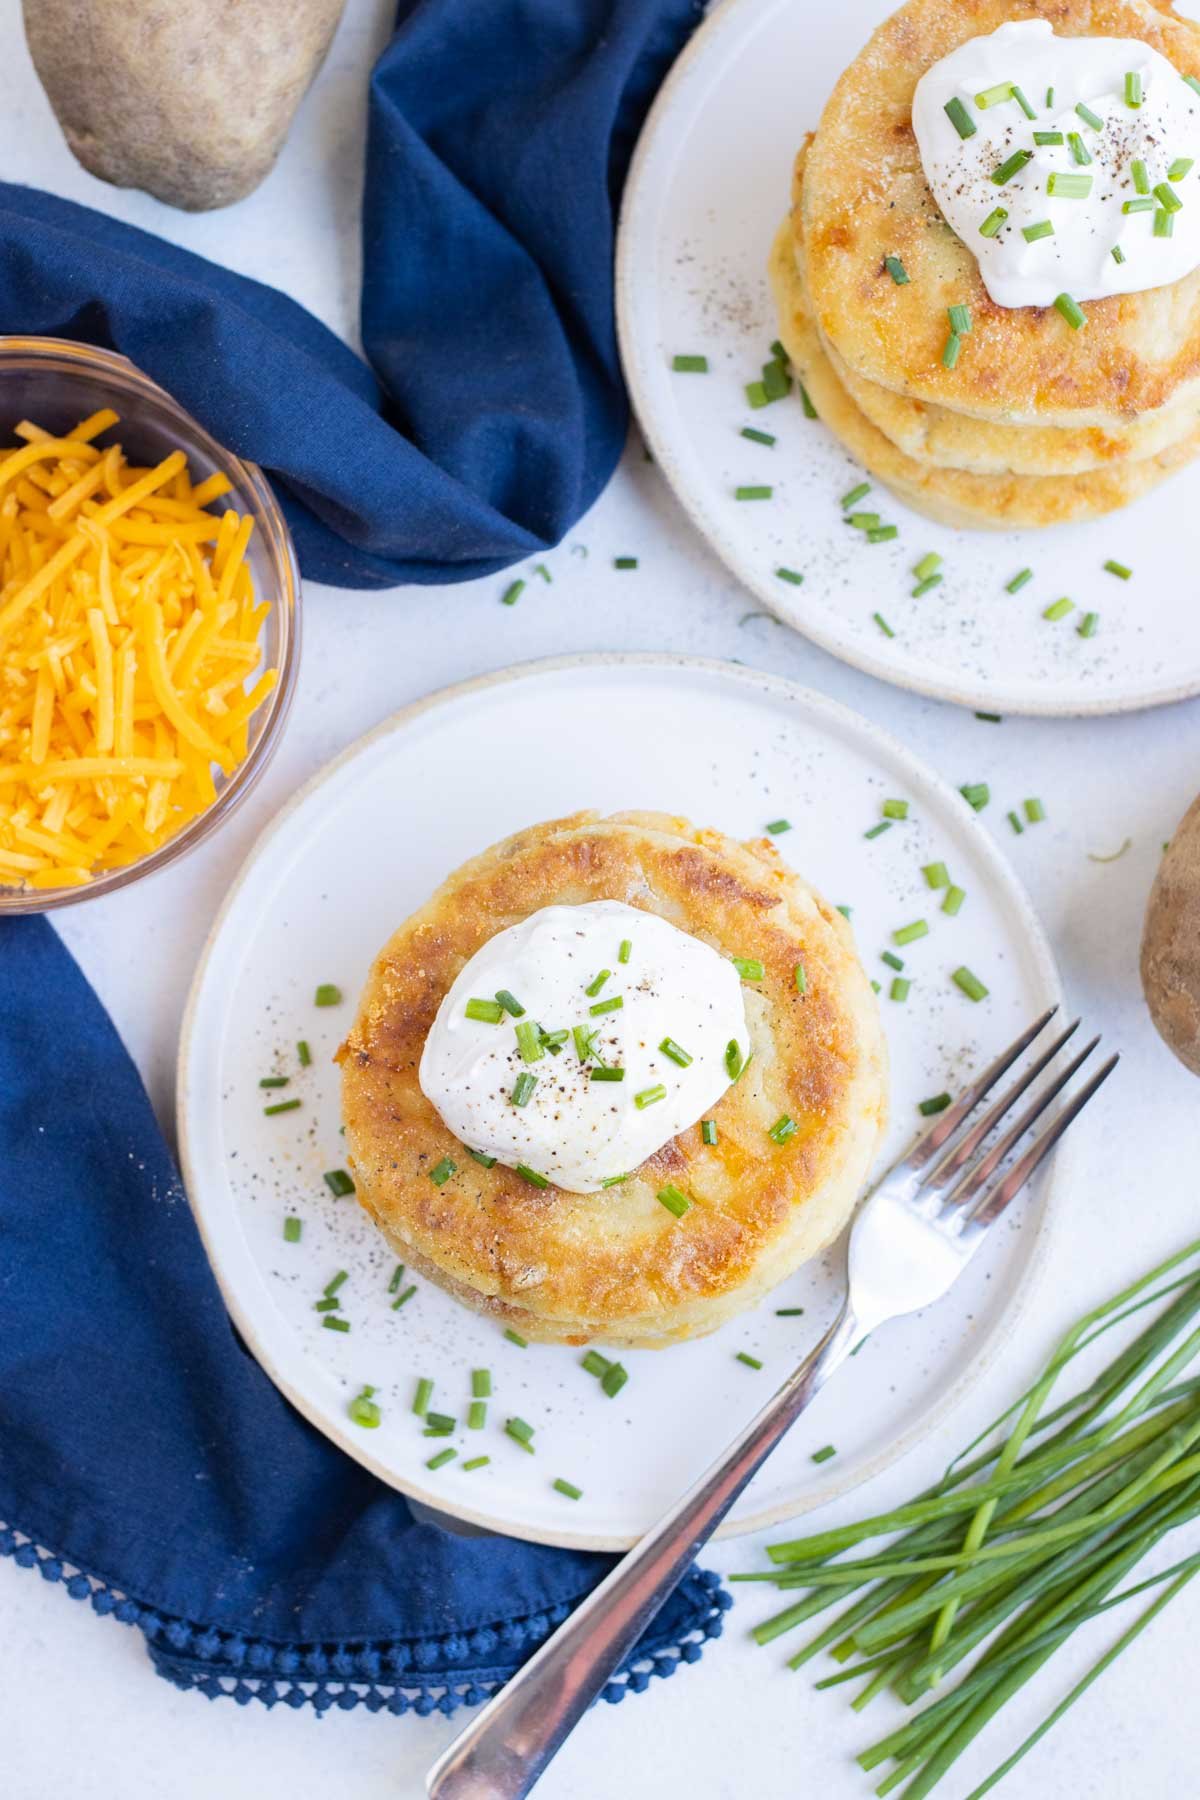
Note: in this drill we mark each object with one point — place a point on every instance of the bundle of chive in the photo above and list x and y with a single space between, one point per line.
1017 1546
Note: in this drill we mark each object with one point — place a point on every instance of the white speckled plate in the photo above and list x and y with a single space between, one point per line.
708 189
362 845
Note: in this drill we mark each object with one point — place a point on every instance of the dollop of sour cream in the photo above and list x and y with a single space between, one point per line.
1115 119
540 1088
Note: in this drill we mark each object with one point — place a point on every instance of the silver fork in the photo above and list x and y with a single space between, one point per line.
909 1241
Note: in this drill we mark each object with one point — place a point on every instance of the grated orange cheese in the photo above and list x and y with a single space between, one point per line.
129 632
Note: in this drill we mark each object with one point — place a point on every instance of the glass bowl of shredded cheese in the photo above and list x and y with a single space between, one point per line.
149 625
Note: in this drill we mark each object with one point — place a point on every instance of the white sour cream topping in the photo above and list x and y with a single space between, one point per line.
577 1131
1089 71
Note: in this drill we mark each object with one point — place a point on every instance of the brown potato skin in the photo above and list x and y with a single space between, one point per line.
1171 943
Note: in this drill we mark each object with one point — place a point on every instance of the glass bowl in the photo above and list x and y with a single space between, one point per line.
56 383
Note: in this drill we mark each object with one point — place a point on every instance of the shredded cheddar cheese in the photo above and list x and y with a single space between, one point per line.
129 641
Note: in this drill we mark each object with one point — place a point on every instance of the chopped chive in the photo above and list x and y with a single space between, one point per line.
778 826
364 1410
280 1106
543 571
514 1337
970 984
512 593
273 1081
614 1379
440 1421
1043 229
976 794
1179 168
585 1041
1088 624
475 1462
331 1305
929 564
690 365
487 1012
708 1131
1014 820
748 967
756 394
510 1003
824 1453
953 902
650 1096
437 1431
676 1052
936 1104
875 988
960 118
845 911
328 995
441 1459
1011 166
607 1074
995 96
800 978
810 411
855 495
1133 88
304 1053
733 1059
753 493
1047 137
936 874
960 319
626 950
485 1162
594 1363
339 1183
1140 176
625 562
520 1431
1143 204
1079 150
1118 569
615 1004
1117 254
481 1383
397 1278
1193 83
1164 223
993 222
950 350
1035 812
594 986
1023 103
532 1176
422 1397
676 1203
895 809
789 1312
778 352
751 1362
1059 609
899 988
292 1229
477 1415
1089 117
1018 581
924 587
776 380
1167 198
568 1488
1049 96
896 270
891 959
881 534
862 521
1071 311
908 934
883 625
529 1041
404 1296
1060 186
878 830
791 575
783 1128
332 1323
757 437
447 1167
523 1087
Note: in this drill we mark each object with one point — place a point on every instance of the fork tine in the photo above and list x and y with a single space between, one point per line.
947 1123
1007 1190
943 1177
966 1191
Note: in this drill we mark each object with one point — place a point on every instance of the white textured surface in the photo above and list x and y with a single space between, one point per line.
82 1716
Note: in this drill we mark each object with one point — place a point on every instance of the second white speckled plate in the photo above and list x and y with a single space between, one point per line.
709 186
367 841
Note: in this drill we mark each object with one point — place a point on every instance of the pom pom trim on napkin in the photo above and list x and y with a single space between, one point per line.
420 1676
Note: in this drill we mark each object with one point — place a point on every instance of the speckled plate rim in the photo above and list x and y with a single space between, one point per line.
651 170
209 1217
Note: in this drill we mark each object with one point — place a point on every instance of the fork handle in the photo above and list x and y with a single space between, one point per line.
505 1749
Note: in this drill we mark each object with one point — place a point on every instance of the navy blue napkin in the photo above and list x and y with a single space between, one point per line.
493 411
149 1466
